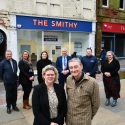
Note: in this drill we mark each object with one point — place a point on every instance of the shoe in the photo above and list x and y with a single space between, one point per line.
8 110
114 103
16 109
107 103
26 104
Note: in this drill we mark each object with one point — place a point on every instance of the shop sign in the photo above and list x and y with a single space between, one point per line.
113 27
50 38
42 23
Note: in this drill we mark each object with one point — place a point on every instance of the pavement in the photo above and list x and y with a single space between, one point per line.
106 115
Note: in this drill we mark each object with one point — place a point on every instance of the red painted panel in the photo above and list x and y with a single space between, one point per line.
113 27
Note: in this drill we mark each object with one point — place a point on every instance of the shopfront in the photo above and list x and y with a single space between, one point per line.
36 34
113 38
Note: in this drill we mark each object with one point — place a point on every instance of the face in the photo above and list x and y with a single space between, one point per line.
88 52
25 55
109 56
44 55
49 77
8 55
75 69
64 53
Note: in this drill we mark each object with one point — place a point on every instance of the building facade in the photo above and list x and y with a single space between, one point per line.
47 25
111 26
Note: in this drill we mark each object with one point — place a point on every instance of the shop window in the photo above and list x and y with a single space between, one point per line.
105 3
79 43
122 4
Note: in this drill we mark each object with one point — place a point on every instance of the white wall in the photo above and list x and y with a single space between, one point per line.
3 5
12 37
77 9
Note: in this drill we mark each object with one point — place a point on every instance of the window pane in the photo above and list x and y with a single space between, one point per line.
121 3
104 2
30 40
80 41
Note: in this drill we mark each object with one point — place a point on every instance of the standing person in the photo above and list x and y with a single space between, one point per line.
111 80
49 99
62 66
74 55
83 98
26 76
44 61
8 72
102 55
90 63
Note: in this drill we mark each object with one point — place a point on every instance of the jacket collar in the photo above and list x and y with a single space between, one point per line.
84 78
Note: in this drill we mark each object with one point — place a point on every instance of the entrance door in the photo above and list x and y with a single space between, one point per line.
2 44
108 41
54 50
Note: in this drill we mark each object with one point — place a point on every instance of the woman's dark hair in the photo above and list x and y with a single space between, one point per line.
89 48
46 54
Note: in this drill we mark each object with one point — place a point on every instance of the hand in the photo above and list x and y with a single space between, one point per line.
31 78
107 74
52 123
65 72
88 73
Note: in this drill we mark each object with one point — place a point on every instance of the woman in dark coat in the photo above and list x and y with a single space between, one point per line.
44 61
26 76
49 99
111 80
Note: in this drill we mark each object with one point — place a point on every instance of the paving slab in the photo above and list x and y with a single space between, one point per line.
106 115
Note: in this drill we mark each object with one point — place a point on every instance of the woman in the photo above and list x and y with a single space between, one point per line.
49 100
26 76
111 80
44 61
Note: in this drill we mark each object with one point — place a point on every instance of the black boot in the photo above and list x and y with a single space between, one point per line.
107 103
8 110
16 109
114 103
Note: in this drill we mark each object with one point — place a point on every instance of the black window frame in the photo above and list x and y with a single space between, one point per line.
122 4
105 3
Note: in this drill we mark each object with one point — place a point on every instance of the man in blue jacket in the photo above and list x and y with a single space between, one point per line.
8 72
62 66
90 63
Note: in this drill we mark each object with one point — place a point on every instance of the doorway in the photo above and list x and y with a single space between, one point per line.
3 45
53 49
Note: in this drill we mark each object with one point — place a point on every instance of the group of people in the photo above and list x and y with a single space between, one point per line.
49 102
8 72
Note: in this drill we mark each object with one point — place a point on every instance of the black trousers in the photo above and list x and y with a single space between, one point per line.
62 79
27 87
11 94
112 87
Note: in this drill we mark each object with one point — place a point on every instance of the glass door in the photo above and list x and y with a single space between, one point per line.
54 50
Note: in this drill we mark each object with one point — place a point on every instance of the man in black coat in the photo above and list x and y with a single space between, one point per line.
90 63
8 72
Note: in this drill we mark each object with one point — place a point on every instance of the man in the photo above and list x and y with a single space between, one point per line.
62 66
90 63
8 72
102 55
83 98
